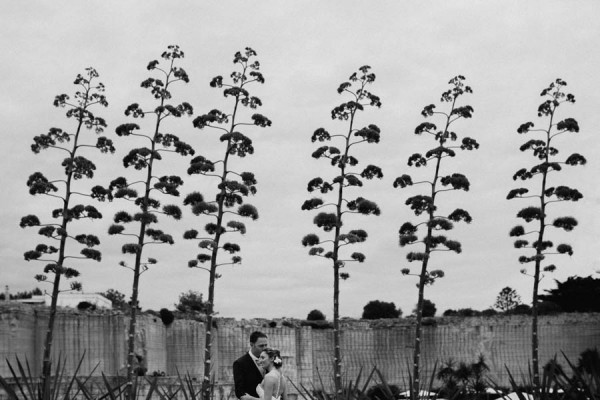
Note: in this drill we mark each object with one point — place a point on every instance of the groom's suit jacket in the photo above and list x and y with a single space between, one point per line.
246 376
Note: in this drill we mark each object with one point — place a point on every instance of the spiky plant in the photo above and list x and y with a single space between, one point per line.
347 179
231 186
60 258
426 232
145 158
540 190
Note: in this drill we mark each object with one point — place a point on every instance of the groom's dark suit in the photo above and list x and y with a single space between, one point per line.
246 376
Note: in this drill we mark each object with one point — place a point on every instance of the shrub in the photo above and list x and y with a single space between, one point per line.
576 294
317 324
315 315
376 309
548 308
521 309
467 312
489 312
429 308
166 316
462 378
86 305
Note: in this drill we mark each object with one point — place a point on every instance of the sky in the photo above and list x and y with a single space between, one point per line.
507 50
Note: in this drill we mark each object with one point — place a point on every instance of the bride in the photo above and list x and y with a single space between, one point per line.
273 384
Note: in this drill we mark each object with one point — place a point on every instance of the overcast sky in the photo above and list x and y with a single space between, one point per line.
508 51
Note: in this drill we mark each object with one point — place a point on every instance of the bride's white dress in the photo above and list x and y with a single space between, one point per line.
261 391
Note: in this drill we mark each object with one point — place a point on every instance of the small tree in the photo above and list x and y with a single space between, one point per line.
315 315
230 190
544 195
117 298
22 295
347 178
507 299
576 294
488 312
166 316
144 159
464 312
429 308
59 258
377 309
427 204
522 309
191 301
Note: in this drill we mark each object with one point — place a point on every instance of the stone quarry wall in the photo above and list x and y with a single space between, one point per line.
307 353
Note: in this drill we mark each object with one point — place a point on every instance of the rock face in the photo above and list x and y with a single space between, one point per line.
387 344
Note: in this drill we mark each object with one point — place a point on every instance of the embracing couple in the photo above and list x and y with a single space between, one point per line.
257 374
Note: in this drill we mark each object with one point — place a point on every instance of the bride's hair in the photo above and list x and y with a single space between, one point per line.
275 355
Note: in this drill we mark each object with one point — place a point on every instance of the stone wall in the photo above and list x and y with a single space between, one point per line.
307 353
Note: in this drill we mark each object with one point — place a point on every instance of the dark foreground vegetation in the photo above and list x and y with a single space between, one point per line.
561 379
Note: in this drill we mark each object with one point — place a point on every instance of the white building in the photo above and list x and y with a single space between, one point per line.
71 300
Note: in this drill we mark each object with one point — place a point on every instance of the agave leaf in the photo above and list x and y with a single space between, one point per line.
16 378
109 388
167 394
386 386
183 384
134 387
72 380
190 385
367 381
27 378
515 387
83 384
9 390
83 389
152 388
432 378
302 392
321 381
53 384
584 384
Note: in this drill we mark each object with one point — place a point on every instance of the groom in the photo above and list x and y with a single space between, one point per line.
246 372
